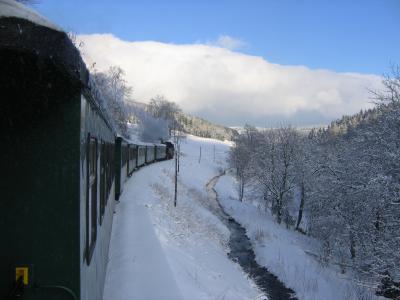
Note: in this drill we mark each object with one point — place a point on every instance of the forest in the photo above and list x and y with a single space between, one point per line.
339 184
152 121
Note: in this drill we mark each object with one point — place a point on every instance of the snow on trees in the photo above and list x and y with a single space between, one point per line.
348 178
114 94
240 157
152 129
159 107
116 100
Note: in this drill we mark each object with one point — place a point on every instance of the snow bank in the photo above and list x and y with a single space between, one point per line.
158 249
286 253
138 268
11 8
188 251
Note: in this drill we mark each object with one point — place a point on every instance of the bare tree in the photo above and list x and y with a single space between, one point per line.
240 157
348 178
275 168
115 92
161 108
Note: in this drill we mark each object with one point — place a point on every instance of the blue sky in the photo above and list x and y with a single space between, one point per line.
344 36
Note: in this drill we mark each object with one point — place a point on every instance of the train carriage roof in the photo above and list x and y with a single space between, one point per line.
41 66
11 8
24 30
139 143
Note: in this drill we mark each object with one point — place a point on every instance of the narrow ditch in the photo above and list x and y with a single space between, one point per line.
242 252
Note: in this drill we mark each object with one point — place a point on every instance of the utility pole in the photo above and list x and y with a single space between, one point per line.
214 154
176 178
178 154
176 165
200 155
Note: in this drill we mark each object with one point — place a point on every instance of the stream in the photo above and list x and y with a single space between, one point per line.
242 252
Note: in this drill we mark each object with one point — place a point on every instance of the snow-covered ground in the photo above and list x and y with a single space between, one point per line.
288 254
159 251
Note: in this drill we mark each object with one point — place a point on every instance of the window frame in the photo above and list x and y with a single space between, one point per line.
91 196
103 181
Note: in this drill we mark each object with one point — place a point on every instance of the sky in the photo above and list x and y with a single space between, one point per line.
234 43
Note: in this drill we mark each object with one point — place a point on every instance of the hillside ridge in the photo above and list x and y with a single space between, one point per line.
198 126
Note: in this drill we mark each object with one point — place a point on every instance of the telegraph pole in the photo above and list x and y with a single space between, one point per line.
178 154
214 154
176 178
177 151
200 155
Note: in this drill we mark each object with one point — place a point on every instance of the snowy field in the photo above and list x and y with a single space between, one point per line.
289 255
159 251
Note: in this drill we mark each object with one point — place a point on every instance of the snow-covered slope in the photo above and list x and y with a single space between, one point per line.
291 256
159 251
11 8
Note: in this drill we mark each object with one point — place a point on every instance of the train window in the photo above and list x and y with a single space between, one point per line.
103 180
109 169
129 160
112 165
134 157
91 198
124 153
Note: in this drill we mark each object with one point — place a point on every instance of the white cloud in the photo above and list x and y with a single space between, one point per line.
228 42
228 86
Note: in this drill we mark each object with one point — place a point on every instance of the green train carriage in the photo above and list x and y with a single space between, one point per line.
62 165
121 164
57 163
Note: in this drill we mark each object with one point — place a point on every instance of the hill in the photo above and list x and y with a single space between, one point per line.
190 124
203 128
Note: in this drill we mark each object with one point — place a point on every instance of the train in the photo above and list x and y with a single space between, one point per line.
63 166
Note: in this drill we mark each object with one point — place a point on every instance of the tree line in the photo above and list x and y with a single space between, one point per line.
340 185
152 123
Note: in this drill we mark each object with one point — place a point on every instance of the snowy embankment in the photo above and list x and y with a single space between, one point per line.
288 254
159 251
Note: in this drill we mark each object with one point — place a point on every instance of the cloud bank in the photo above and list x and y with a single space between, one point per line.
228 87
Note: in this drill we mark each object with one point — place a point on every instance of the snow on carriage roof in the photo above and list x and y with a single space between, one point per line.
148 144
139 143
11 8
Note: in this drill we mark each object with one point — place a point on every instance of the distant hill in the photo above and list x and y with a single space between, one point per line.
303 130
203 128
346 123
194 125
